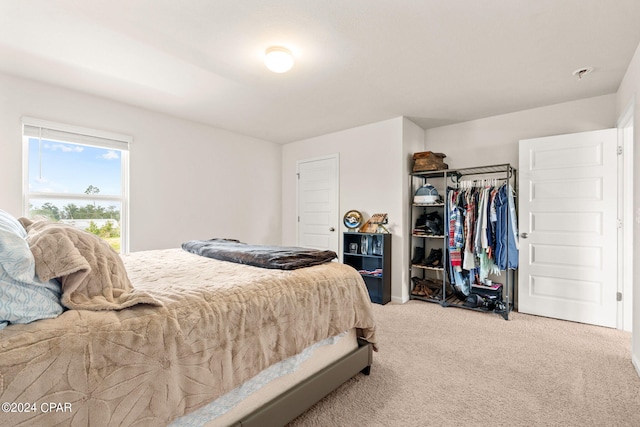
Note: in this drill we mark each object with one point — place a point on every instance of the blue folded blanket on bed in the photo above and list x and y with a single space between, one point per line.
275 257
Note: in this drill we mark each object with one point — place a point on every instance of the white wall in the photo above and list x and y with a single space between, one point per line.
372 180
412 142
188 181
628 93
494 140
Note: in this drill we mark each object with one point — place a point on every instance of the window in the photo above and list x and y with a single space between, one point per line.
77 176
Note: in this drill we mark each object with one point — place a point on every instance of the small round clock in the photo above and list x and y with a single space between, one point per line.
352 220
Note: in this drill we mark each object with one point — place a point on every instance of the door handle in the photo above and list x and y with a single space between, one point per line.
332 229
524 235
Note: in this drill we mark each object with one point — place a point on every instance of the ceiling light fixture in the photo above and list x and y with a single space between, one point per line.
278 59
582 71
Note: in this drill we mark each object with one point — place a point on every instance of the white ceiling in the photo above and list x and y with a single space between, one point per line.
357 61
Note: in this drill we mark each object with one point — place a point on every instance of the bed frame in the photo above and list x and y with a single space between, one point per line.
291 403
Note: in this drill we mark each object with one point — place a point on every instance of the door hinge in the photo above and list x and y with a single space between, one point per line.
619 296
620 223
298 175
620 150
298 218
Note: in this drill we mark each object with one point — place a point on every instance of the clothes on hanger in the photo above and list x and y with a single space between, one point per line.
507 244
482 230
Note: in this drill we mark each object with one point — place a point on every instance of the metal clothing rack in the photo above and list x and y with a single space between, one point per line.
455 176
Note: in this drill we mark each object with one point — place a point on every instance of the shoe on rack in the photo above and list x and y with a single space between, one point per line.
433 224
474 301
500 307
420 221
428 293
429 224
420 291
433 285
418 255
417 286
424 291
434 259
417 290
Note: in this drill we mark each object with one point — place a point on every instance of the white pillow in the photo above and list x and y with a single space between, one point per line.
9 223
23 298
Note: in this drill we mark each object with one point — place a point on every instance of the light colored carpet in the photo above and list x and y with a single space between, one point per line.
454 367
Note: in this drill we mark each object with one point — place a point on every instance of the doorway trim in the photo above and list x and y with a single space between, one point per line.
625 127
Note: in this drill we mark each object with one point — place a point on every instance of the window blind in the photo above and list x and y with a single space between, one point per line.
67 133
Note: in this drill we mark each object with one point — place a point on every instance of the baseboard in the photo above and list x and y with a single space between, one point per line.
401 300
636 363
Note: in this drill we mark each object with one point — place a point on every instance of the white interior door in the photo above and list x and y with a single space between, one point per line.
568 227
318 203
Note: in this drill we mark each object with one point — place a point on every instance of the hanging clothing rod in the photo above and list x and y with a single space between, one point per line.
487 182
480 180
484 180
507 169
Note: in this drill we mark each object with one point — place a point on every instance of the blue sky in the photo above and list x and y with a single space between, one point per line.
71 168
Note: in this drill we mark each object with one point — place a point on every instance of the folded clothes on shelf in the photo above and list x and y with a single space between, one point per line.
376 272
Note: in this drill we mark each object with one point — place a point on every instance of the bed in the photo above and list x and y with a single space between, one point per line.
187 331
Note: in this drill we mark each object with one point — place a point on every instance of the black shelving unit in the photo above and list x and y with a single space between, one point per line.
442 179
370 254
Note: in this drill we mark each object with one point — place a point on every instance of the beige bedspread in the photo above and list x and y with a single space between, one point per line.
220 324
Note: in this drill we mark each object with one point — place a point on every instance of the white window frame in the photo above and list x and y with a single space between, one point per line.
82 136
